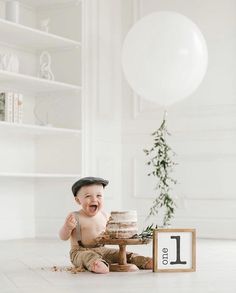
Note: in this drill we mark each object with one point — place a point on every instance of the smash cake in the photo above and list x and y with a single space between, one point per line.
122 225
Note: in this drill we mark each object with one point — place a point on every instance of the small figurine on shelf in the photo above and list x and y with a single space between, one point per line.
45 66
44 24
9 62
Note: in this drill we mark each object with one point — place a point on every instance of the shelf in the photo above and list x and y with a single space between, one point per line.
42 3
36 129
23 36
38 175
17 81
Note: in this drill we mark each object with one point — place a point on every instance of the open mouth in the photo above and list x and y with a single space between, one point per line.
93 208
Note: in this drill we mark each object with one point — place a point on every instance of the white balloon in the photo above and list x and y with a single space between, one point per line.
164 57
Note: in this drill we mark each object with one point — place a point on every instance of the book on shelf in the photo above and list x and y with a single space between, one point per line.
11 107
20 108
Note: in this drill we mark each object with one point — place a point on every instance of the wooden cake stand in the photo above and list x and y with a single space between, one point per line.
122 265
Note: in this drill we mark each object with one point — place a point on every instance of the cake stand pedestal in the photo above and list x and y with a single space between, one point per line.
122 265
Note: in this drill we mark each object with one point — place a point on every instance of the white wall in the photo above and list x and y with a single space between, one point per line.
16 212
103 92
202 127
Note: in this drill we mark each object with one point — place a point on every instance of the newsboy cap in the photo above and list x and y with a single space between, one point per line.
87 181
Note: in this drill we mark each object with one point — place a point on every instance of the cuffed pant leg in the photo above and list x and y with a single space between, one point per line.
138 260
84 259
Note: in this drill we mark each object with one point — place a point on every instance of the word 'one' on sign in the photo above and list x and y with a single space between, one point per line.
174 250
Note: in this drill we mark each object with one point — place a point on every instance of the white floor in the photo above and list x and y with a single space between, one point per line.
25 266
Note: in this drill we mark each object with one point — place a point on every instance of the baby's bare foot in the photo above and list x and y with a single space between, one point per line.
149 265
99 267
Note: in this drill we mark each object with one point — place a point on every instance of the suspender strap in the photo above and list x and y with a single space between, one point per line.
78 233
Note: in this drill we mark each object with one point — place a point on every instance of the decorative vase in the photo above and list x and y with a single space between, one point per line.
12 11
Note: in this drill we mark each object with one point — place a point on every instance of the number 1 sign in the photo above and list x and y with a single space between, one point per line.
174 250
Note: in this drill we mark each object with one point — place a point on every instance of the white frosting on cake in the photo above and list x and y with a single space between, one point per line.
126 216
122 224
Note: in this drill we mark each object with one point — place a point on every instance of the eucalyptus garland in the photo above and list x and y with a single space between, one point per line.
161 160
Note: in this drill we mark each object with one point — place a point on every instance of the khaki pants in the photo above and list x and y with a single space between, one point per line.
84 257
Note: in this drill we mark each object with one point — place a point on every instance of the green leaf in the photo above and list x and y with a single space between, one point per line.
162 166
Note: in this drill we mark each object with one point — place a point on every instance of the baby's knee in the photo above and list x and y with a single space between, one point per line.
84 259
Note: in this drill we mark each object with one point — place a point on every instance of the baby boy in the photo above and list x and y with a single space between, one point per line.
83 227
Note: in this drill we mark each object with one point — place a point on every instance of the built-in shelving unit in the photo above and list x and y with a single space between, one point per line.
17 81
39 175
16 128
23 36
42 156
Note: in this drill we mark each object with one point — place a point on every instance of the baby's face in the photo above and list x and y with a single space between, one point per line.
91 199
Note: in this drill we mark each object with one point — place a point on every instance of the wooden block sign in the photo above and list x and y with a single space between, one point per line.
174 250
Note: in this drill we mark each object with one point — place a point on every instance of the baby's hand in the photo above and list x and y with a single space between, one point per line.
70 222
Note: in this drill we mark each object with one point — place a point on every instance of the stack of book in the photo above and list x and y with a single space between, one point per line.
11 107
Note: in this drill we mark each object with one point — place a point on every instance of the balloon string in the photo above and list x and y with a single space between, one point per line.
165 115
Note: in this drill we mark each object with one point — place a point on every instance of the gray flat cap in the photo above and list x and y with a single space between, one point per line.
87 181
